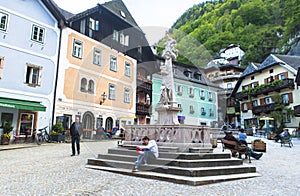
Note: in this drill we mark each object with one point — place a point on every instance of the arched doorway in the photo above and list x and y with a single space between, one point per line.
109 124
88 122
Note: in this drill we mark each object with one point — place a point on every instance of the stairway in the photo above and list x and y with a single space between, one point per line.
192 168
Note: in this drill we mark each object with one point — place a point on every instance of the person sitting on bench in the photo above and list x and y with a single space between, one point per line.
230 137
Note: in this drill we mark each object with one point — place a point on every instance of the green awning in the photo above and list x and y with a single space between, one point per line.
22 104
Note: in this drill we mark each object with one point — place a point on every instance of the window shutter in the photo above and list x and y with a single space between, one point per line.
266 81
285 74
262 101
290 97
242 107
249 106
40 77
276 77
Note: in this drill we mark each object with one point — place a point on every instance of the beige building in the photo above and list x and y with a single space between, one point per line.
96 83
262 87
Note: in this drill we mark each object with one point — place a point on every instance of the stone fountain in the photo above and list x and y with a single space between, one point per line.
168 131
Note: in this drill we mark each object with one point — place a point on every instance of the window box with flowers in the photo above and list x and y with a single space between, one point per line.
5 136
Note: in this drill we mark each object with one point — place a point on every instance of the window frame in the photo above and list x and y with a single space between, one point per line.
97 56
39 38
29 77
127 71
5 24
83 87
126 95
77 49
113 63
112 91
91 87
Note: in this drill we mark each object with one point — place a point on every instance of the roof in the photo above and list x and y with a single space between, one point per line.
119 9
56 11
116 7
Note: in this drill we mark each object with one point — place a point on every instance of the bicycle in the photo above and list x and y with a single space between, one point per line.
42 135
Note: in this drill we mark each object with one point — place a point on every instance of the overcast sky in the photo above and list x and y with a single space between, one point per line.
153 16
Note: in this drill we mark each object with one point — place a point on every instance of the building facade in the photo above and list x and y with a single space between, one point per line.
263 88
29 50
112 24
95 83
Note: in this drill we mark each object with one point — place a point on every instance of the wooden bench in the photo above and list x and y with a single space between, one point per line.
236 148
286 140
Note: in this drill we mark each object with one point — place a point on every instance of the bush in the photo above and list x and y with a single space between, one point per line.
58 128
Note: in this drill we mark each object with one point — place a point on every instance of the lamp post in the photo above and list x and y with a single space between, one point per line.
103 98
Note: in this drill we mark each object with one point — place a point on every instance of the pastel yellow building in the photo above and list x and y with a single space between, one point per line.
96 83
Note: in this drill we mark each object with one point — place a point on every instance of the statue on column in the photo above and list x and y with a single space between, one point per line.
167 89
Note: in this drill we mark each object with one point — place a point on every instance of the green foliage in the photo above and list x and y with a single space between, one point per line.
58 128
7 128
260 27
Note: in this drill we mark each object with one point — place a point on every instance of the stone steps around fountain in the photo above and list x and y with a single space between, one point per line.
173 155
174 170
193 181
176 162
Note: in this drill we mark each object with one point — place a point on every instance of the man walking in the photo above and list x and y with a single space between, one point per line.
76 131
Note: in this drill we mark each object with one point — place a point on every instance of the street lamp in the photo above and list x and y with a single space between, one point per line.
103 98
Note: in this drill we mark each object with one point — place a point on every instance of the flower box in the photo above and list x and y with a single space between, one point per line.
57 138
259 146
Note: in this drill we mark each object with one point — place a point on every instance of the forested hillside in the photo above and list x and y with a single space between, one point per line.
260 27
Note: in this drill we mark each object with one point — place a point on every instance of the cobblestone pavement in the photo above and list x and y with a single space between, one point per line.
50 170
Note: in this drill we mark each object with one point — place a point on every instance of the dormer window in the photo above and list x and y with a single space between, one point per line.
197 75
122 14
188 73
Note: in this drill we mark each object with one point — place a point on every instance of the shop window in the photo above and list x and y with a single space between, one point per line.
27 123
6 118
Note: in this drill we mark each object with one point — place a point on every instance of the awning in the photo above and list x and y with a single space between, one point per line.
22 104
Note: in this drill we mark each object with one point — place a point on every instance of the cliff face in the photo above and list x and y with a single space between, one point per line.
295 49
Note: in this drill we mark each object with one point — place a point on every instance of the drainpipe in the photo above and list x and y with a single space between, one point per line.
57 69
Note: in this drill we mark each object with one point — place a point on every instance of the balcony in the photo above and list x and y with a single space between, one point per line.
263 109
143 109
297 110
276 85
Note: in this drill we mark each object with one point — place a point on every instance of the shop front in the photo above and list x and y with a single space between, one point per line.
21 114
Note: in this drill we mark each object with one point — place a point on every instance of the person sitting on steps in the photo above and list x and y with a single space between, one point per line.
147 151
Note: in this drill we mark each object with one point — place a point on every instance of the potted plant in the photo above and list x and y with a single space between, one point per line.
5 136
58 132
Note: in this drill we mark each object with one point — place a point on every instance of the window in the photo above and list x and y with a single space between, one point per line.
148 99
179 105
126 40
254 84
82 26
211 112
91 87
140 49
77 48
229 86
113 63
210 96
281 76
287 98
269 100
252 77
202 95
127 69
271 71
116 35
203 111
112 92
122 39
3 21
38 34
97 56
83 85
179 89
94 24
33 75
246 87
255 103
192 109
191 92
245 107
126 95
